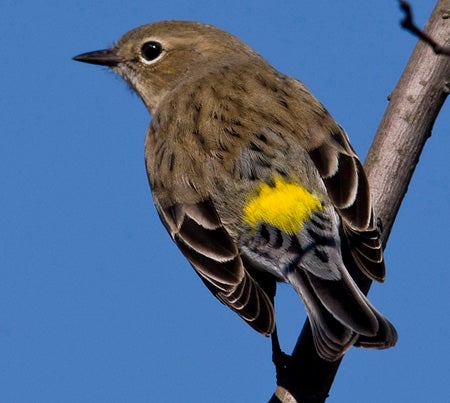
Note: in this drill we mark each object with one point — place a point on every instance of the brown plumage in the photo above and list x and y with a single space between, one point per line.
228 133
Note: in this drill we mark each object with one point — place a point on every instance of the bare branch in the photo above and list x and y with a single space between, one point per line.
409 24
390 163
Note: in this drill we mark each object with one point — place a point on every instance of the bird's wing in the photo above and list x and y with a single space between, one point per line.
348 189
200 235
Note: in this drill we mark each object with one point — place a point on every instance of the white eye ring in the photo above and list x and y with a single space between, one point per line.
151 51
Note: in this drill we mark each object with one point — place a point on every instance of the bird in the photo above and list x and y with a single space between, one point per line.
254 181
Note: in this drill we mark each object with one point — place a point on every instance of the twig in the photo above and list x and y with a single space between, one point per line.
409 24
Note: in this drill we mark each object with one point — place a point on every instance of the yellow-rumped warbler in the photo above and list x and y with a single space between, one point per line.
254 181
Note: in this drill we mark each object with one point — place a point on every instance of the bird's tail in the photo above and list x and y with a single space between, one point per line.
340 315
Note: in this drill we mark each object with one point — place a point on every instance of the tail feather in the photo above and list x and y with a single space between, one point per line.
331 338
333 330
345 302
386 336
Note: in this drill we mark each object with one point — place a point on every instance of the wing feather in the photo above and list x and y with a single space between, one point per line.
201 237
348 189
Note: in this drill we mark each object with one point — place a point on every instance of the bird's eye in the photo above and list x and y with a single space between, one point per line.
151 50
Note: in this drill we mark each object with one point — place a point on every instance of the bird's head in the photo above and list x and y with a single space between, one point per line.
155 58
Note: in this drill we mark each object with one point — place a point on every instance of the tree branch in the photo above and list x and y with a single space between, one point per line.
392 158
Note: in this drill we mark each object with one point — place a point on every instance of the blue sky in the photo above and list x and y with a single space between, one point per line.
97 304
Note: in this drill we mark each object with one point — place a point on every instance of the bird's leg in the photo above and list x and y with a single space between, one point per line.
279 357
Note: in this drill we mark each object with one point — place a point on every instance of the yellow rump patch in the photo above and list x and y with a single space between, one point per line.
285 206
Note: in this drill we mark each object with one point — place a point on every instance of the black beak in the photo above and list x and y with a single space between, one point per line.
106 57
